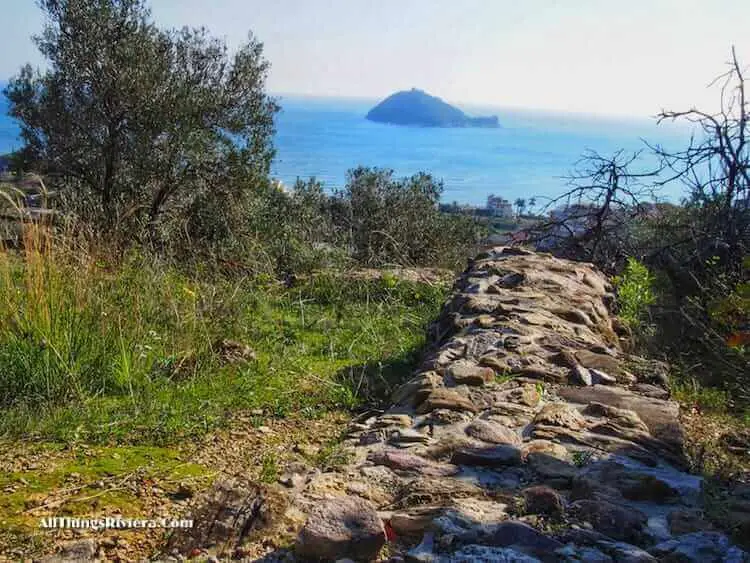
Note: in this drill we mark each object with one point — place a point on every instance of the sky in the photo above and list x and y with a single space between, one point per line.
606 57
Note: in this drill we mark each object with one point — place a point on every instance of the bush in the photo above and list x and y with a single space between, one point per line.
398 220
635 293
374 221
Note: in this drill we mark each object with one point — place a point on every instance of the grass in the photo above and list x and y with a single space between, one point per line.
127 351
707 399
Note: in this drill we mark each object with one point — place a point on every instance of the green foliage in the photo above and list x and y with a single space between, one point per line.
394 221
147 131
104 350
269 470
582 458
635 291
731 313
689 391
161 137
375 220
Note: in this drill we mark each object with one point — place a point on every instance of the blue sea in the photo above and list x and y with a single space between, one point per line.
529 155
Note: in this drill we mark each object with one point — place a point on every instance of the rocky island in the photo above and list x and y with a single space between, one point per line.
416 107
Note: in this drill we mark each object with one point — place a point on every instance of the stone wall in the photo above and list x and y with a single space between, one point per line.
527 434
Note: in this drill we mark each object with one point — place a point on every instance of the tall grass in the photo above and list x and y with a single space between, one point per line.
108 347
74 325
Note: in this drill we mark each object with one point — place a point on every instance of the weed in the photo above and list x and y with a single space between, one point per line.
269 470
582 458
691 392
332 455
635 291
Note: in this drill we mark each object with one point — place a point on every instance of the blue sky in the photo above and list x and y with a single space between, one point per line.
625 57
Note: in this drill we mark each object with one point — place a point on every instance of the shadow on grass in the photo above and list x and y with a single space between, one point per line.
371 384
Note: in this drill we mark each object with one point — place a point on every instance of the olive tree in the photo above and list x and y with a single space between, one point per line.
141 126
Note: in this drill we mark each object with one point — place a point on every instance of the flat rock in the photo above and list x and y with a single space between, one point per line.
521 536
582 375
497 364
571 553
496 456
698 547
399 460
342 527
652 391
622 417
552 449
661 417
416 388
504 408
560 414
624 552
445 399
603 362
414 521
409 436
601 377
467 373
551 467
543 373
683 521
493 433
403 420
475 553
608 476
527 395
446 417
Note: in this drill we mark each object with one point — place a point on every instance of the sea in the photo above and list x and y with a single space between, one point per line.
531 154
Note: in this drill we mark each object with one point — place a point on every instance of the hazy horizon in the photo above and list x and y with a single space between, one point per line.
472 108
468 107
597 57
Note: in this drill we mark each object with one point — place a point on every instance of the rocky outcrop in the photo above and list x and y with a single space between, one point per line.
527 434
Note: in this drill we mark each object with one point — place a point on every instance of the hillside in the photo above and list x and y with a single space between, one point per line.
416 107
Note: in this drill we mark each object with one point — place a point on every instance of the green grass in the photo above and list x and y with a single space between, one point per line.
710 399
89 347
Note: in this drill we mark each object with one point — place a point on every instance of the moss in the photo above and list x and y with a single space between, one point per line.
87 468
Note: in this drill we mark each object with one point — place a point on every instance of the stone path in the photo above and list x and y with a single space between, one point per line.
526 435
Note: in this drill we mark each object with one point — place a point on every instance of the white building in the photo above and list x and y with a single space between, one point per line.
500 207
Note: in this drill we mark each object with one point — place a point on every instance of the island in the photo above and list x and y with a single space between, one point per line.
418 108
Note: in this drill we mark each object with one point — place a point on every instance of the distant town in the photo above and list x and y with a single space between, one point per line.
496 207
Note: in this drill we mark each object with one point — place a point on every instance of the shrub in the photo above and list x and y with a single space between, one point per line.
376 220
635 293
398 220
